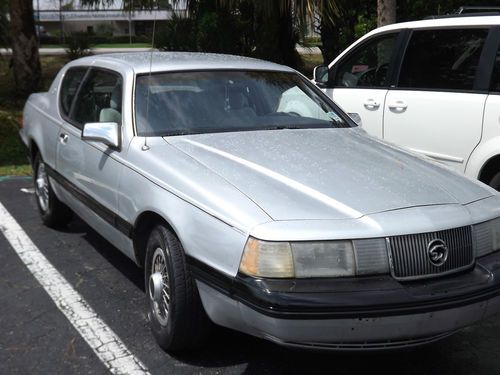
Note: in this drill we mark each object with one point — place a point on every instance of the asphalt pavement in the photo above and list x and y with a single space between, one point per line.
37 338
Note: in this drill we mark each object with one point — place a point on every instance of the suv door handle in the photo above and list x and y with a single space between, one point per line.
63 138
398 106
371 104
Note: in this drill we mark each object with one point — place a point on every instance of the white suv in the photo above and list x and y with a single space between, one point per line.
432 86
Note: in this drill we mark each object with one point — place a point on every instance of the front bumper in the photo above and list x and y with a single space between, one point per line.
352 313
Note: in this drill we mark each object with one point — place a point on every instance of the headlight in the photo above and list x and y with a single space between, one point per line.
323 259
487 237
314 259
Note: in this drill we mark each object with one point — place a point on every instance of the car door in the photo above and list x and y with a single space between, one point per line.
437 108
90 171
361 78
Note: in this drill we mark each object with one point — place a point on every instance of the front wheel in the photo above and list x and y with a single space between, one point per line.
53 212
178 320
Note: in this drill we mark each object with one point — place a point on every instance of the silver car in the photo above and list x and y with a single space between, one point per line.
253 202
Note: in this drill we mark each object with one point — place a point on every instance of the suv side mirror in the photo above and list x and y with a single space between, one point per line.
321 75
104 132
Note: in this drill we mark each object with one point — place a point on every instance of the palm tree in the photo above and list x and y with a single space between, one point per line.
386 12
24 41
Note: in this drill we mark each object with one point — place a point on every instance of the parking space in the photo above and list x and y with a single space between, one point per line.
37 338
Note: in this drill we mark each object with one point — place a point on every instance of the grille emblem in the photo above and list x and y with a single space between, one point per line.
437 252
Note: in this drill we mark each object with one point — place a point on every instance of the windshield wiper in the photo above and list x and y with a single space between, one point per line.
295 126
281 127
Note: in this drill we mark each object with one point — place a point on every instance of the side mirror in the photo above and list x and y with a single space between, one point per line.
320 75
104 132
356 118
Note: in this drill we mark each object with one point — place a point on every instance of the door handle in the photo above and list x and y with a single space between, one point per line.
63 138
371 104
398 106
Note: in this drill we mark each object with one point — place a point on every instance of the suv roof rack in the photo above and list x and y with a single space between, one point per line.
476 9
470 11
462 15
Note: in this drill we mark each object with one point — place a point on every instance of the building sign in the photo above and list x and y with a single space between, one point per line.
102 15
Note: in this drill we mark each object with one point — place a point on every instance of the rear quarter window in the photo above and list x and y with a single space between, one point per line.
442 59
69 86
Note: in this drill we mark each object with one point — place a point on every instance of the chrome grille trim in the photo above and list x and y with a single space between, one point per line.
409 259
484 238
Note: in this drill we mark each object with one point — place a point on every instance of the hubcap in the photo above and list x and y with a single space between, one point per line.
159 287
42 187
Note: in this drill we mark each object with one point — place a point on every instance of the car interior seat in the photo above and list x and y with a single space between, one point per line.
113 114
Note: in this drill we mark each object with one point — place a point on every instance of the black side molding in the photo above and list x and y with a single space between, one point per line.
103 212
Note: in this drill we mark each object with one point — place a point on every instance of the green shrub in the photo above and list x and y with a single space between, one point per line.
77 45
177 34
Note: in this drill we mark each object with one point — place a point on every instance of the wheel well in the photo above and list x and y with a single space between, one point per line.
142 228
490 169
33 151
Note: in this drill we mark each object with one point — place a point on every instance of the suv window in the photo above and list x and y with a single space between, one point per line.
442 59
495 80
72 79
368 65
99 98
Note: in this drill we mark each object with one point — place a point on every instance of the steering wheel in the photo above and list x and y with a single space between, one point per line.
381 74
367 78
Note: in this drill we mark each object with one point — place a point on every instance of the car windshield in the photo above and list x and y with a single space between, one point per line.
220 101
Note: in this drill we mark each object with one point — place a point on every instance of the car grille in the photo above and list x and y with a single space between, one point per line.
410 258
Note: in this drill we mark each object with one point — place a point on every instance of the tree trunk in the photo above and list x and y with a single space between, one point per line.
386 12
25 58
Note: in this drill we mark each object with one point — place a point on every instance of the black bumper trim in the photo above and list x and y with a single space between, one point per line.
280 299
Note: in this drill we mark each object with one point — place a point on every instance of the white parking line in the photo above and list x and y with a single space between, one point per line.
104 342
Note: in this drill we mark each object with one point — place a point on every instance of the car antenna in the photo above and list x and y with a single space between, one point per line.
145 146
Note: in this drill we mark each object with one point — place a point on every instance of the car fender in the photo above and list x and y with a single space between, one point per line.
481 155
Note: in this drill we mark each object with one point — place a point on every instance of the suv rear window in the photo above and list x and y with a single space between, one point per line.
442 59
495 81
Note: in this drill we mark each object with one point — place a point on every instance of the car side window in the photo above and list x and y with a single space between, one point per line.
442 59
367 66
495 79
99 98
72 79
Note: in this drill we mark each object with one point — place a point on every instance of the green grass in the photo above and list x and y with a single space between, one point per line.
15 170
311 42
53 46
13 160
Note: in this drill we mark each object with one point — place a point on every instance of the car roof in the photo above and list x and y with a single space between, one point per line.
144 62
444 22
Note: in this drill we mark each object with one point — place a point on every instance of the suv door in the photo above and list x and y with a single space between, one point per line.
436 108
89 169
361 79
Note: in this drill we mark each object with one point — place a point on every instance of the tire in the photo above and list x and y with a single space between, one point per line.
53 212
495 182
178 320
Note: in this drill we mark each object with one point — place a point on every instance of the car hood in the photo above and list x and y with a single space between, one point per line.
307 174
